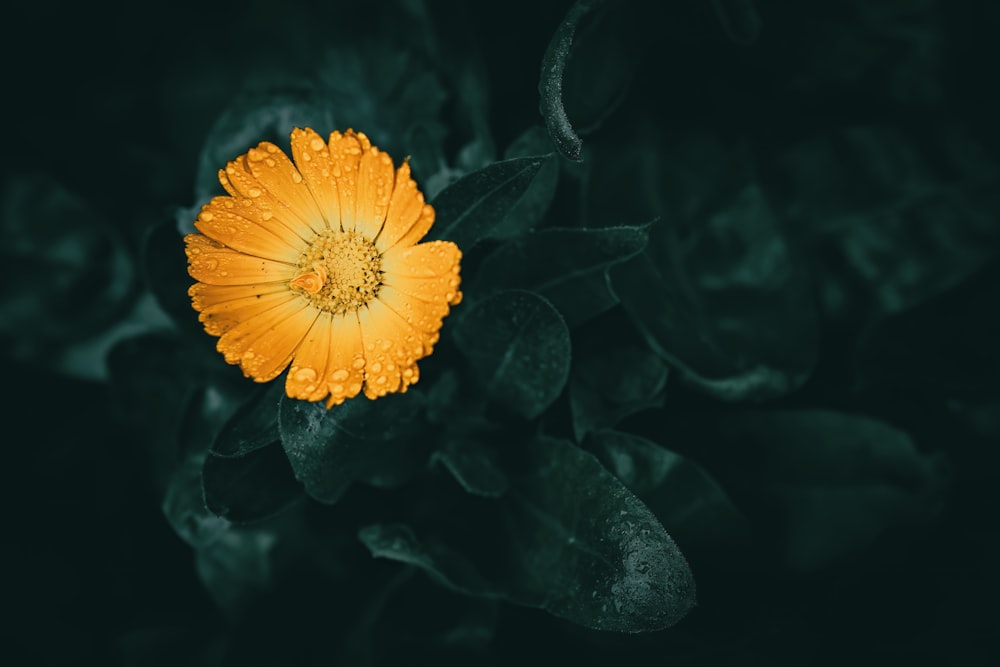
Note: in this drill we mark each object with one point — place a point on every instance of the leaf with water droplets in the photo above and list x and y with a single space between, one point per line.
550 85
467 211
359 440
689 503
519 347
585 549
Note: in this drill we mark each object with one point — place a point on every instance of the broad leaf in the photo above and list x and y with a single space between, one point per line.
474 466
530 209
518 347
253 426
467 211
690 504
585 549
359 440
250 487
560 264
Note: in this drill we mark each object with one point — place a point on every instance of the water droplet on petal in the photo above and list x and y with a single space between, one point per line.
340 375
304 375
358 363
254 192
376 367
267 215
317 144
337 389
297 177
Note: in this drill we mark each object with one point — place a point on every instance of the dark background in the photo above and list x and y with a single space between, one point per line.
113 103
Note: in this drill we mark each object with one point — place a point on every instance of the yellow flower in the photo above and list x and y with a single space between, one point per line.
316 264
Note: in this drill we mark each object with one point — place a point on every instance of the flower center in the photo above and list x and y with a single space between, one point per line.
340 271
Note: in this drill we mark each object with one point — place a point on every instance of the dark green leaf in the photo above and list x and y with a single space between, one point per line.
468 210
739 19
560 264
691 505
550 85
254 425
580 546
474 466
530 209
519 348
250 487
585 549
609 385
359 440
397 542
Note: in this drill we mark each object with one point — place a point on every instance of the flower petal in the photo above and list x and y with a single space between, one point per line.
272 168
236 342
392 348
239 182
345 370
408 217
220 223
423 316
305 377
272 351
284 225
220 317
312 158
375 180
211 262
345 154
425 260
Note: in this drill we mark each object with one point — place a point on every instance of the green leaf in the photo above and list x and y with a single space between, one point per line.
550 85
250 487
579 545
253 426
184 506
474 466
469 209
398 542
359 440
690 504
519 348
608 385
530 209
559 264
587 550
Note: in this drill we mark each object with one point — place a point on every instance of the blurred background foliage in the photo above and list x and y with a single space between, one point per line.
731 281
